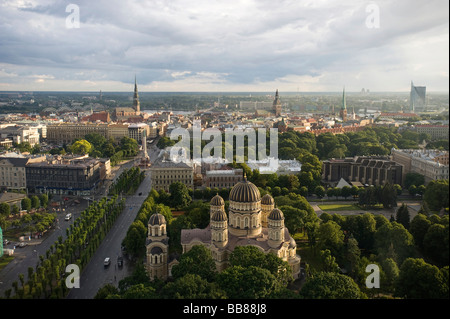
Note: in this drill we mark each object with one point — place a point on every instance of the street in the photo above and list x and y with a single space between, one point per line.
95 275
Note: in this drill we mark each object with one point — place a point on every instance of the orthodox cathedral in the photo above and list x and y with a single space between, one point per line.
251 220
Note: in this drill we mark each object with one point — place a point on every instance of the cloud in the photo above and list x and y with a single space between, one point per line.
230 45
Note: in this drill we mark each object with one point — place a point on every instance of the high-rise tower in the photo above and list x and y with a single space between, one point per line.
417 97
343 111
136 103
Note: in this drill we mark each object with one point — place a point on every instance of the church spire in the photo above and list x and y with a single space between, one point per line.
136 103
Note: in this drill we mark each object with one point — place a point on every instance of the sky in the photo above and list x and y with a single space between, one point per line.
224 45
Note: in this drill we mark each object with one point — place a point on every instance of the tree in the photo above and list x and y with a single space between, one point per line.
330 285
394 236
319 191
391 272
4 209
246 256
346 191
81 147
35 202
196 261
402 216
294 218
388 196
420 280
362 228
418 229
351 255
26 203
247 283
43 198
179 195
415 179
329 263
436 244
191 286
331 237
436 194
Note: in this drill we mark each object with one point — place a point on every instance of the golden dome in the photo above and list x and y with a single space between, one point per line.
219 216
217 201
276 214
245 192
156 219
267 200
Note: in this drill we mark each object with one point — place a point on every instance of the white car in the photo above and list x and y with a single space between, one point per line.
68 216
106 262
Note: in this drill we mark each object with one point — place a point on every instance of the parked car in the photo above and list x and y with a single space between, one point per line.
120 261
22 244
107 262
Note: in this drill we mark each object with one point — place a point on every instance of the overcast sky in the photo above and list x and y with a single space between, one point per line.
224 45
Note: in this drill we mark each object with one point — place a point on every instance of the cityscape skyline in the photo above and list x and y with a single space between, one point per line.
249 46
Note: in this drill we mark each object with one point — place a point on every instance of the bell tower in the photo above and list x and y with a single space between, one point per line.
277 104
136 103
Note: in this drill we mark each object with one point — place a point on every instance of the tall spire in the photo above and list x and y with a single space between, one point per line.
136 103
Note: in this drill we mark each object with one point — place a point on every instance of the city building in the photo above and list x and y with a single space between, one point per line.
65 133
65 176
370 170
165 171
256 105
437 132
432 164
117 131
417 97
223 178
20 134
251 221
138 130
12 170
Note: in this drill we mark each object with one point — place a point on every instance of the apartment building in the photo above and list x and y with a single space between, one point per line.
138 130
65 176
436 132
12 170
65 133
432 164
166 171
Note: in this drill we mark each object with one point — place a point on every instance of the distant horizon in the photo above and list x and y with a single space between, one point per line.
228 92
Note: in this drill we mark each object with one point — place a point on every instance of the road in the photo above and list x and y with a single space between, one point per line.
29 255
95 275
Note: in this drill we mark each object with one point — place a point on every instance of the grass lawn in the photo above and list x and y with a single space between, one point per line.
338 207
5 260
